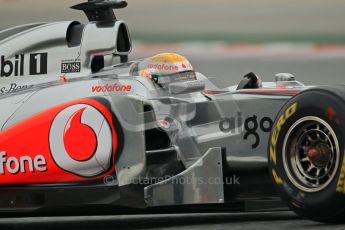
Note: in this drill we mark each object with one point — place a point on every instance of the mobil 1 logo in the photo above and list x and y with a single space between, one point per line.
24 64
38 63
71 66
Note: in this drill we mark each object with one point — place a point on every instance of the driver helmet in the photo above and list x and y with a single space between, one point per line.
165 68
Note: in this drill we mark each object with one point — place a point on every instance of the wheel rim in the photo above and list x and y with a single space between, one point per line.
311 154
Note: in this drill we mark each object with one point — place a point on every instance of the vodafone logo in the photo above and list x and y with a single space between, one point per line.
111 88
163 66
80 141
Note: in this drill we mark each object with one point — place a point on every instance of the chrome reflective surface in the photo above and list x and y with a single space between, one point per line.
199 184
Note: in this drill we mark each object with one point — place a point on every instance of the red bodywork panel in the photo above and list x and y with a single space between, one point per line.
28 153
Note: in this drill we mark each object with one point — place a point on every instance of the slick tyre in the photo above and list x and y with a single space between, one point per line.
306 154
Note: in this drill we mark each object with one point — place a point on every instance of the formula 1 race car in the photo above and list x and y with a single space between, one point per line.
85 128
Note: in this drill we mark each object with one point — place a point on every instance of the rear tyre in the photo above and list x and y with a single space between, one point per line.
306 154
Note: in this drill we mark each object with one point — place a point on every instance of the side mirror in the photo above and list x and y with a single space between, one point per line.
284 77
186 87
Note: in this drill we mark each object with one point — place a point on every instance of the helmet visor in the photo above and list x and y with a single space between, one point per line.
164 79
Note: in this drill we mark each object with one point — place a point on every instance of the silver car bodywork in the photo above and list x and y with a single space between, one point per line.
210 132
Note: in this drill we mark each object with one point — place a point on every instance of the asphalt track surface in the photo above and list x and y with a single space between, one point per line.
278 220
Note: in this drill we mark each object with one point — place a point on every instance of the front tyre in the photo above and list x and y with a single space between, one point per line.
306 154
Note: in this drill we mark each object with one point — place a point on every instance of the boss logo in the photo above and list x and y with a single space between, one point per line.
80 141
70 67
38 65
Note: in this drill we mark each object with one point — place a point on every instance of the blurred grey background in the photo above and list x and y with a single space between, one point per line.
223 38
234 20
226 20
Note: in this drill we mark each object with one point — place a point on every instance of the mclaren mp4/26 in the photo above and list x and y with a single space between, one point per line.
81 126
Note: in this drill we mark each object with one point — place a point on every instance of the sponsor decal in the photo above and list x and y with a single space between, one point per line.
14 87
71 66
166 67
251 126
341 181
232 124
24 164
277 179
173 67
72 142
276 131
80 140
111 88
37 64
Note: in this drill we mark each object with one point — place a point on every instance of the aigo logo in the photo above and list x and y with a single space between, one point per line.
81 141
